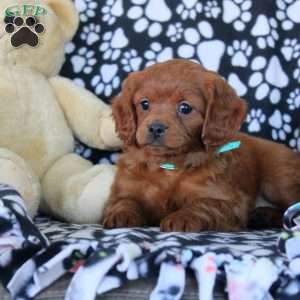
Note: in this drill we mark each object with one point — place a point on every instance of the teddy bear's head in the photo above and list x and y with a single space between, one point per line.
34 33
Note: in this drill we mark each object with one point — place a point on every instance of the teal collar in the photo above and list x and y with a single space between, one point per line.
168 166
229 147
223 149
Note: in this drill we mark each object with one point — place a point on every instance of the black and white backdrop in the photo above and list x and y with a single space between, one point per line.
254 44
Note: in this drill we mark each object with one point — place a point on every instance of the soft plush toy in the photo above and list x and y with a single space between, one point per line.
41 113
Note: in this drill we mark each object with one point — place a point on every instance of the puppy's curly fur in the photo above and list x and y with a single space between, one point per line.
195 111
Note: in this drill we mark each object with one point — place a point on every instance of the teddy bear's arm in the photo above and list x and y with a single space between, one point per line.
89 118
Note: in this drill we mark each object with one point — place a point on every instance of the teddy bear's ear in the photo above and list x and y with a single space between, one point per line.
68 16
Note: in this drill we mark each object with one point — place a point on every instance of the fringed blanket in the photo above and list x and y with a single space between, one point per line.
256 265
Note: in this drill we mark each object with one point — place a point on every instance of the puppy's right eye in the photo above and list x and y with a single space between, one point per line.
184 108
145 104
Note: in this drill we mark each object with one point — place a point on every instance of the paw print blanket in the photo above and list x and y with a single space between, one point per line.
256 265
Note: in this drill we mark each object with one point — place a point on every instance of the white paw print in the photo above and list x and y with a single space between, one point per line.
288 13
268 78
280 123
149 14
79 82
290 49
240 88
84 61
112 43
131 61
112 10
265 31
189 9
295 141
198 41
157 54
192 36
254 119
239 52
296 73
70 48
294 99
237 12
113 159
175 32
212 9
107 80
91 33
82 150
86 9
104 161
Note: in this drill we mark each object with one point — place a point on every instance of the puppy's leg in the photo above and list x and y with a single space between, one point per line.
207 214
123 213
281 177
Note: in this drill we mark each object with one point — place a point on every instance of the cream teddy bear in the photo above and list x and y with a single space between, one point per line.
41 112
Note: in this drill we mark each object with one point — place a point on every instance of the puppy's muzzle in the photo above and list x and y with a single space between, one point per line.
157 130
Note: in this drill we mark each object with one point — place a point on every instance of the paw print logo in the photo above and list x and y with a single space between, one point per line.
131 61
175 32
288 13
265 30
296 73
239 52
84 61
24 31
212 9
280 123
254 119
112 43
107 80
237 13
268 78
157 54
189 9
295 141
290 49
86 8
112 10
198 41
148 15
91 33
294 99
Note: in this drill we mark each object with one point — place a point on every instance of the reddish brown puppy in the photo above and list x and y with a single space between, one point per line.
177 115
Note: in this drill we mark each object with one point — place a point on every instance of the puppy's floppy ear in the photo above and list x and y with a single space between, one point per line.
124 112
225 112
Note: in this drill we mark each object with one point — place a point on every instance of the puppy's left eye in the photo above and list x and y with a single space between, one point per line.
145 104
184 108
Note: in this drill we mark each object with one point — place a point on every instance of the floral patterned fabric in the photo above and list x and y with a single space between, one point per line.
248 264
254 45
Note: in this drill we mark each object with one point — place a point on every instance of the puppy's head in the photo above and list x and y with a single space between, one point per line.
174 106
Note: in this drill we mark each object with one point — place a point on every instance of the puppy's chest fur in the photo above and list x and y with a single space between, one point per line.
160 192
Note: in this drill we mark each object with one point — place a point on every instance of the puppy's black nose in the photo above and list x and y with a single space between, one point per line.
157 129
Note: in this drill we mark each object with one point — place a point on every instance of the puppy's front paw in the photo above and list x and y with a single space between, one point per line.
181 222
122 218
